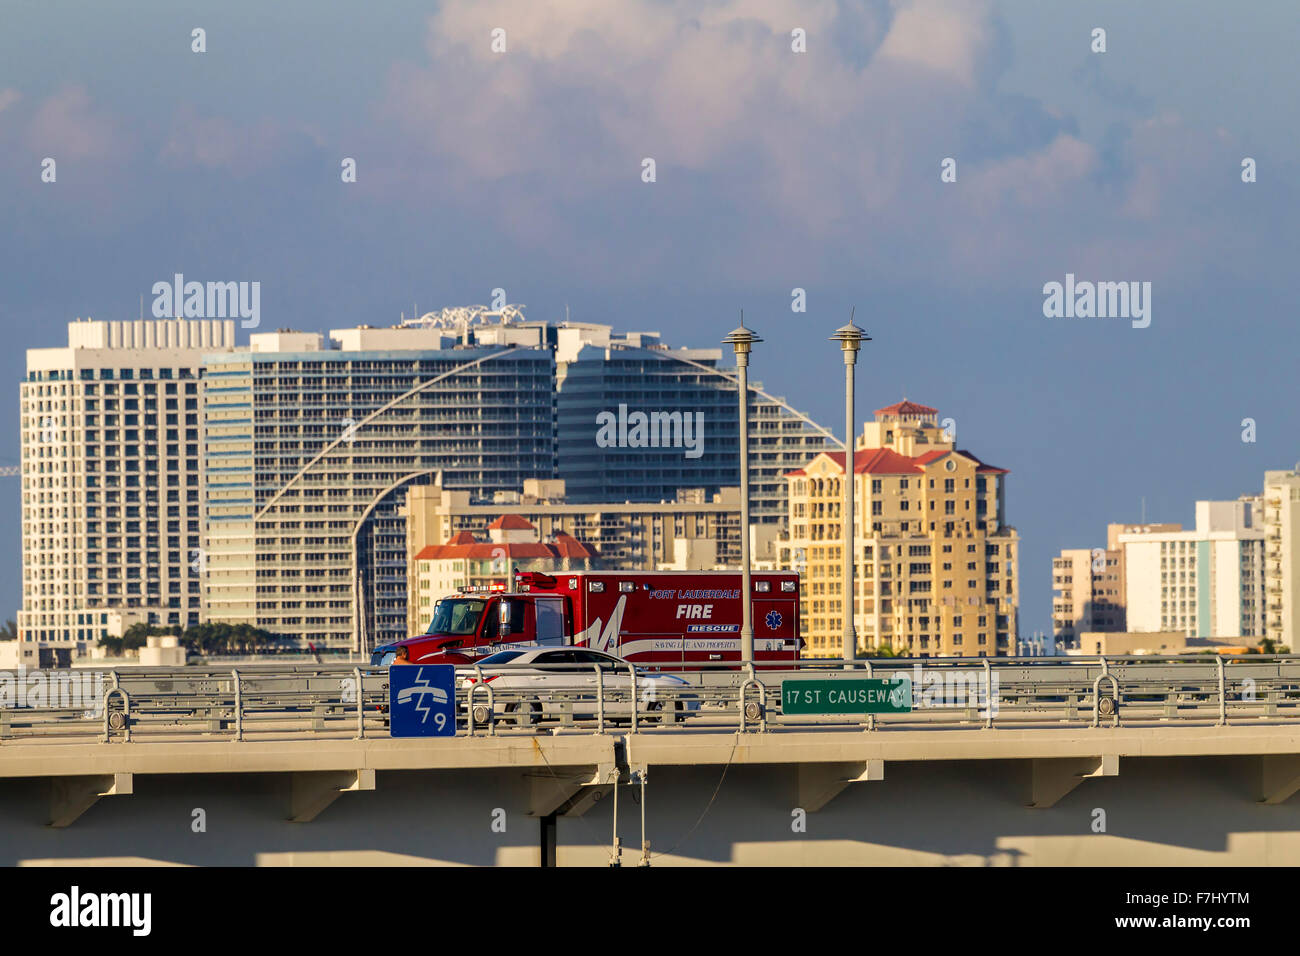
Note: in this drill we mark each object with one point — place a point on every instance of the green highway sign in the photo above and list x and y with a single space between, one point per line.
847 696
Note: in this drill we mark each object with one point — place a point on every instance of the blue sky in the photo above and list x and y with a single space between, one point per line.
775 170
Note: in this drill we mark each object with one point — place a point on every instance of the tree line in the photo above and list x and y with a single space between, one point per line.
202 639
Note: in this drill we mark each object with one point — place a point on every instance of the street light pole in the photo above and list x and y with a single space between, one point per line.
850 338
742 339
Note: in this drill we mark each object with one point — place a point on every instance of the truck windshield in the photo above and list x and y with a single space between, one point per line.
456 616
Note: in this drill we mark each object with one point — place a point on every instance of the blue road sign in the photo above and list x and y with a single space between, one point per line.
422 700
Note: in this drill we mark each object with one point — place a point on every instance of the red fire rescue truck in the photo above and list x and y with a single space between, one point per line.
658 618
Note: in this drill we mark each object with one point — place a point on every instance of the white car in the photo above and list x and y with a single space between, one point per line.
548 669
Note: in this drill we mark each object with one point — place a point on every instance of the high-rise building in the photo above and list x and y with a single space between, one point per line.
935 561
1090 586
690 437
1281 500
311 445
1085 580
1208 582
112 438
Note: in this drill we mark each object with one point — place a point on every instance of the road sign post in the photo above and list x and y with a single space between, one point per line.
422 700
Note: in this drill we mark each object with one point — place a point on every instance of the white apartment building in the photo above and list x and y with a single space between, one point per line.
112 438
1090 585
1208 582
1281 568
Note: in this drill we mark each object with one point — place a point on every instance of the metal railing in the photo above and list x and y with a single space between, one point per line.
265 701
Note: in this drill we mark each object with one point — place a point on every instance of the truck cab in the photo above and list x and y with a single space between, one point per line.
478 621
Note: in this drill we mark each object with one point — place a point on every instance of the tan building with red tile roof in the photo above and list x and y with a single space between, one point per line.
514 545
631 536
935 563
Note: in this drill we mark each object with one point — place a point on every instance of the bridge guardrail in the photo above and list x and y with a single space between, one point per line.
252 701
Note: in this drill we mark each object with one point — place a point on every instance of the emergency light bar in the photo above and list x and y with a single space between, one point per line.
535 579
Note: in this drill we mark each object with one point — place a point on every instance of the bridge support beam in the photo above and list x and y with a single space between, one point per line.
72 796
569 791
315 790
1279 777
817 784
1052 778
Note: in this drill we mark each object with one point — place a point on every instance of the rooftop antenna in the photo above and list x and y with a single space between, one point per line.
141 306
1144 509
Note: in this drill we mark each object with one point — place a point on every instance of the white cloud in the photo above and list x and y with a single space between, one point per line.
785 154
950 37
67 127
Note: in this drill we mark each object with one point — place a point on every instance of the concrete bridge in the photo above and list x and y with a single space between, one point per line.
1191 793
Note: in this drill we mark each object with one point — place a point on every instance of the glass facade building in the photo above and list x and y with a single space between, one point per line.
311 452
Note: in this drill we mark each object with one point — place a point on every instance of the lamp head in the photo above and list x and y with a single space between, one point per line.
741 339
850 337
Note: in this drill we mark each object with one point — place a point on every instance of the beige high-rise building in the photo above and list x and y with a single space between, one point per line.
935 562
1086 581
112 446
1281 499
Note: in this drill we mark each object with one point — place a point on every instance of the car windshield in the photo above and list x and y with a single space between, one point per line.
502 657
456 616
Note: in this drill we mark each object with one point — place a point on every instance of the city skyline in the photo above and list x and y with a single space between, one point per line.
268 487
344 340
1116 166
